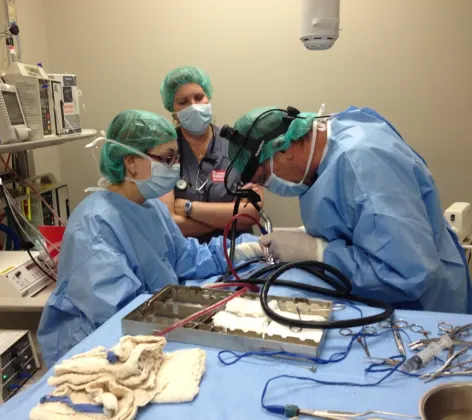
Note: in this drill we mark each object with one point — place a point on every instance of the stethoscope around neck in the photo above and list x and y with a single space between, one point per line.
182 184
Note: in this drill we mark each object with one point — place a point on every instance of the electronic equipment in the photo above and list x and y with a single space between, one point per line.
18 361
55 193
70 99
319 24
459 216
58 107
19 275
13 126
36 98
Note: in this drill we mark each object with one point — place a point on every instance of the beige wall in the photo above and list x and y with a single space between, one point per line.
410 60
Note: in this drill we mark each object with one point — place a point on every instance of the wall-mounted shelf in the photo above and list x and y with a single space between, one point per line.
45 142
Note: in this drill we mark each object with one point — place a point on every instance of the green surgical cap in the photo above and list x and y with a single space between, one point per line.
182 76
141 130
268 122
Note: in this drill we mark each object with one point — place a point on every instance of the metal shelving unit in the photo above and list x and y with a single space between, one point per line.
45 142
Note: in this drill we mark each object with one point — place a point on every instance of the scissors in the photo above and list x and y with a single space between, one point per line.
445 328
347 332
395 325
401 323
446 369
417 328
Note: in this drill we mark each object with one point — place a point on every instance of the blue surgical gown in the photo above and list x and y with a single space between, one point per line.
376 203
112 251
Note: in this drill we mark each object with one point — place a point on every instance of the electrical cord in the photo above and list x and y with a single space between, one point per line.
237 202
242 266
39 265
25 244
32 187
228 257
345 294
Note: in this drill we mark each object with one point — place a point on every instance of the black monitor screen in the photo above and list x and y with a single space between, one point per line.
13 108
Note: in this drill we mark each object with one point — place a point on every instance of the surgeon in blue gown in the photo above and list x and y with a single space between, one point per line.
122 242
369 206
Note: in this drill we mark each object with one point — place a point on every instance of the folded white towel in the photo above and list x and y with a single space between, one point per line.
248 307
182 371
136 369
138 359
110 401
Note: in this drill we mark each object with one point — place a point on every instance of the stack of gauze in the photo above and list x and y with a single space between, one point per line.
113 384
246 314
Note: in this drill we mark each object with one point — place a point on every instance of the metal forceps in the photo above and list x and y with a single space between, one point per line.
345 415
445 369
395 325
366 331
446 328
417 328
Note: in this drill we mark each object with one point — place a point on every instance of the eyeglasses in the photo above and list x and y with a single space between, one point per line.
169 158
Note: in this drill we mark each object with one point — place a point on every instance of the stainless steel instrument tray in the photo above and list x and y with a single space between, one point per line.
174 303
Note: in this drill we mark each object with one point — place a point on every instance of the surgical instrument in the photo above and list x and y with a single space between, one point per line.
455 333
446 327
386 361
402 324
418 344
445 369
342 415
347 332
395 325
417 328
269 229
421 359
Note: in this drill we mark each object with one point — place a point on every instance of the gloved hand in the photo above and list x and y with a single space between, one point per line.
290 229
247 251
294 246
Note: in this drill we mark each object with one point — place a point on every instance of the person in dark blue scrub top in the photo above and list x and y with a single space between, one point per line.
200 204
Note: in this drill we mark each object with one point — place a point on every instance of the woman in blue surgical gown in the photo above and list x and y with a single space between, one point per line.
122 242
368 202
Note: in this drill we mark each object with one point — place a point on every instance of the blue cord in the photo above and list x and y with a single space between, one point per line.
280 409
11 235
237 357
81 408
111 357
334 358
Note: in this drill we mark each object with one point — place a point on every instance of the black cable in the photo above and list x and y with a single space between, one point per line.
356 322
341 290
232 247
39 266
24 244
242 266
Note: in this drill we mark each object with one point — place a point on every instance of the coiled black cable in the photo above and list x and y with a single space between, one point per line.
341 285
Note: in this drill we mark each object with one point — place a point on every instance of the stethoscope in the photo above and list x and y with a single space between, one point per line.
182 184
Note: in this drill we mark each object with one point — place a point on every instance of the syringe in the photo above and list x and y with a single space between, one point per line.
421 359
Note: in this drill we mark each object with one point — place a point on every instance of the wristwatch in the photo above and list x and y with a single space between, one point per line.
188 208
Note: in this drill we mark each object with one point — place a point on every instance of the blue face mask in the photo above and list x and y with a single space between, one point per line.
286 188
195 118
162 180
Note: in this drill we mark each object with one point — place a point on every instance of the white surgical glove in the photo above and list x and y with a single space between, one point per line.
247 251
294 246
290 229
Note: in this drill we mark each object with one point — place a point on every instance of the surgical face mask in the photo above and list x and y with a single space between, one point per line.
162 180
286 188
195 118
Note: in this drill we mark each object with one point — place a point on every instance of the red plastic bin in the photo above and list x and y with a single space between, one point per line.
53 234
